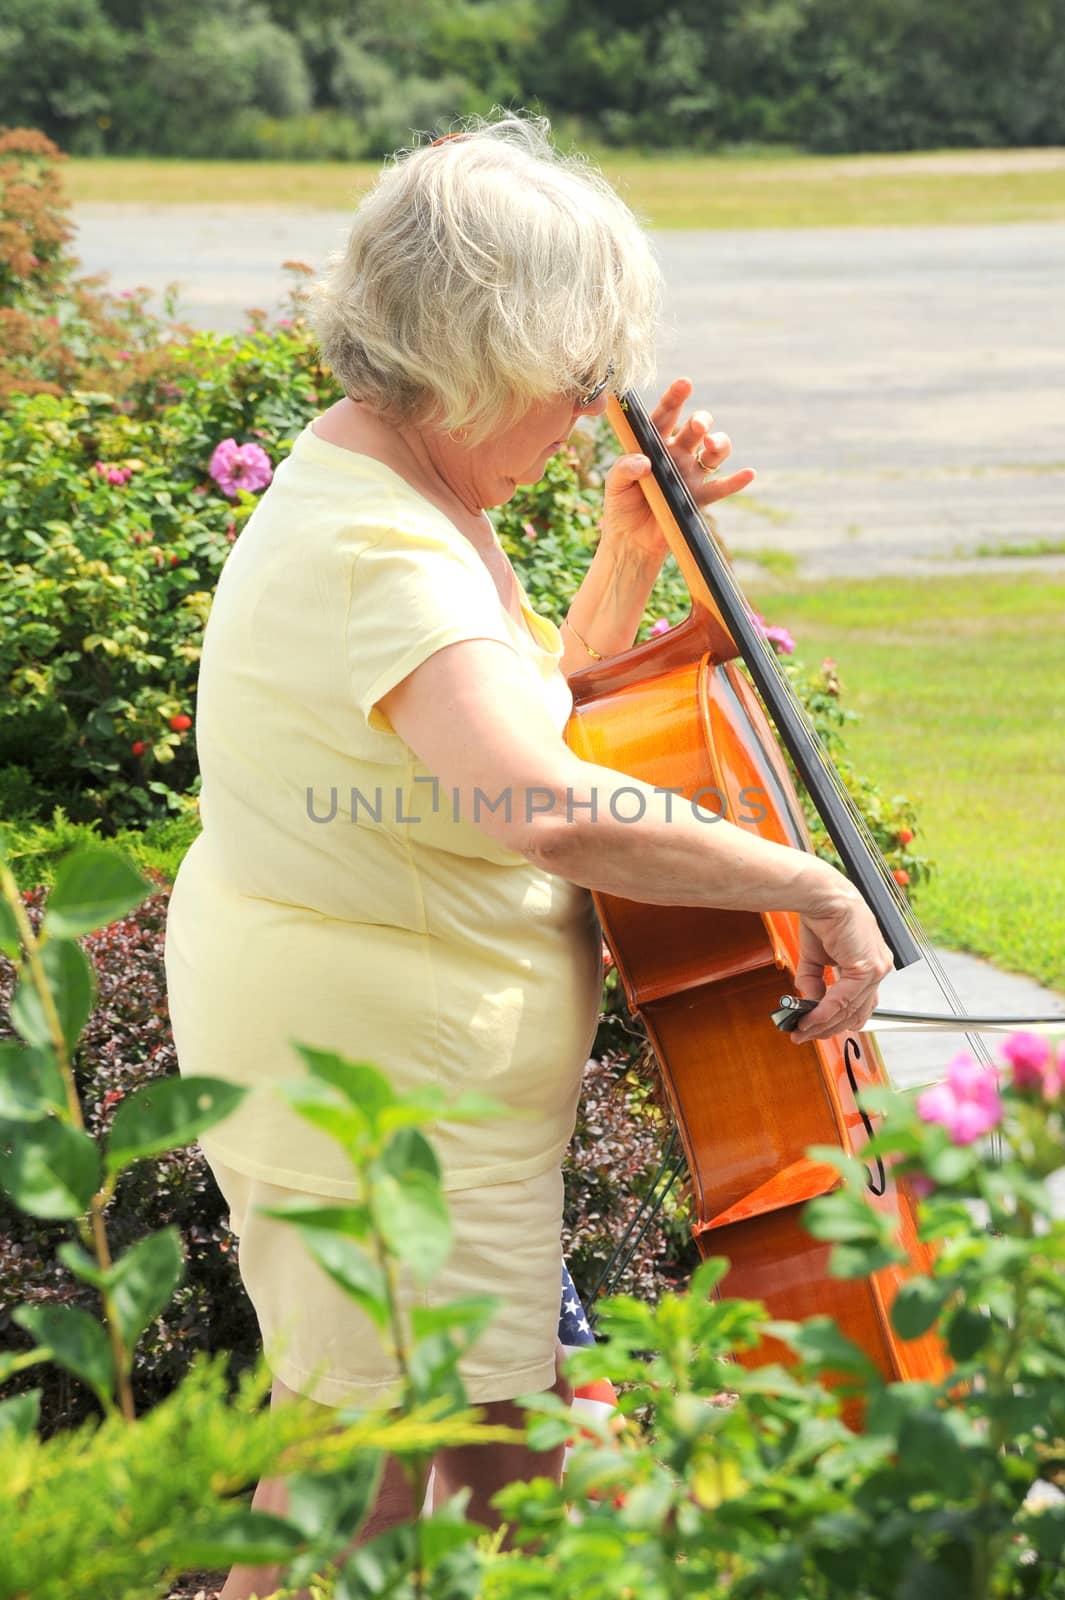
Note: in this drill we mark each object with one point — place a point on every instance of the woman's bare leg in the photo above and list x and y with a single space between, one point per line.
392 1506
482 1468
486 1468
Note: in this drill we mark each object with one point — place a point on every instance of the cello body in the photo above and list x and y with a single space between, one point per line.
679 713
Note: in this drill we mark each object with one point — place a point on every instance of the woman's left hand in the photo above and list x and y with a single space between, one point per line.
627 518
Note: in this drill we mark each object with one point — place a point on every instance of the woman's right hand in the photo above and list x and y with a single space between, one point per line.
844 935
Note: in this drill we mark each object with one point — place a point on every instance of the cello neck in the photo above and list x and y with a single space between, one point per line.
713 589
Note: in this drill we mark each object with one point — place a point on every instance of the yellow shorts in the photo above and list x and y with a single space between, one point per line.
507 1243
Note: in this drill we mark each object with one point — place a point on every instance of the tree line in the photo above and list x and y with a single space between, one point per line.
309 79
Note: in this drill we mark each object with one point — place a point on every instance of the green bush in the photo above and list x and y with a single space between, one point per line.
725 1476
105 586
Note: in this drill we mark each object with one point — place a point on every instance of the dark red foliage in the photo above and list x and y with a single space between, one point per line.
611 1167
127 1042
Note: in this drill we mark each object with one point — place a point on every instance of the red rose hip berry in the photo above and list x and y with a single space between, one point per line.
180 722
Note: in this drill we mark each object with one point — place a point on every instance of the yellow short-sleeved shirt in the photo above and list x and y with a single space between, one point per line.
331 897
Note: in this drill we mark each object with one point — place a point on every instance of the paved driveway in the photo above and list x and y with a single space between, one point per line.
901 391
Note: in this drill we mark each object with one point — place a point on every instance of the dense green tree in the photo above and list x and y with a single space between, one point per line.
179 76
61 65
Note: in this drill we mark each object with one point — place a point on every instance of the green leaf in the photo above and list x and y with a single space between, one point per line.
76 1341
82 1264
349 1266
822 1346
93 887
917 1305
329 1508
51 1170
444 1531
842 1217
471 1315
413 1218
352 1220
859 1260
252 1538
10 943
967 1333
472 1106
377 1567
320 1105
19 1361
19 1415
166 1115
70 979
143 1279
953 1164
31 1082
366 1089
706 1277
409 1150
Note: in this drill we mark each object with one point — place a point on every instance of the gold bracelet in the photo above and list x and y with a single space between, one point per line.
595 654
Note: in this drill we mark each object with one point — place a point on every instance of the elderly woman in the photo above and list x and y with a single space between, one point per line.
372 662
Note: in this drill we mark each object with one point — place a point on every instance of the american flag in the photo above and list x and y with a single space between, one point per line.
596 1399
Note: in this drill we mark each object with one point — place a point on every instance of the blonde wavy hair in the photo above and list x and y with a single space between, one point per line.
484 273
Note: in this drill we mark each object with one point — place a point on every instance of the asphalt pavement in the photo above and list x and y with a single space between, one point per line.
900 391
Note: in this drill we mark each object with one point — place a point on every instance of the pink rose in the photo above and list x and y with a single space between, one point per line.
660 627
236 466
968 1104
1033 1065
778 637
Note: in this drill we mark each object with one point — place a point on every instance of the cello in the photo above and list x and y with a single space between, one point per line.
680 713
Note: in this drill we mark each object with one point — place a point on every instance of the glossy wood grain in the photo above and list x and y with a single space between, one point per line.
679 713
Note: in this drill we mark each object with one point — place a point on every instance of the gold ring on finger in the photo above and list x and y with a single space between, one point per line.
707 472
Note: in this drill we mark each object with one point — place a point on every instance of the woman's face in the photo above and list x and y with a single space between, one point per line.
520 452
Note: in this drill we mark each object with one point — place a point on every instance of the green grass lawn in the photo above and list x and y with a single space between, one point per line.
961 688
668 192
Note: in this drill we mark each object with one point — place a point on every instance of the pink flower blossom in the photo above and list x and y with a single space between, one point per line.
284 322
1033 1064
236 466
123 355
968 1105
116 475
660 627
528 530
776 636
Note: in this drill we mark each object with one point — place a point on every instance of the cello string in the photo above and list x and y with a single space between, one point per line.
811 740
670 1167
